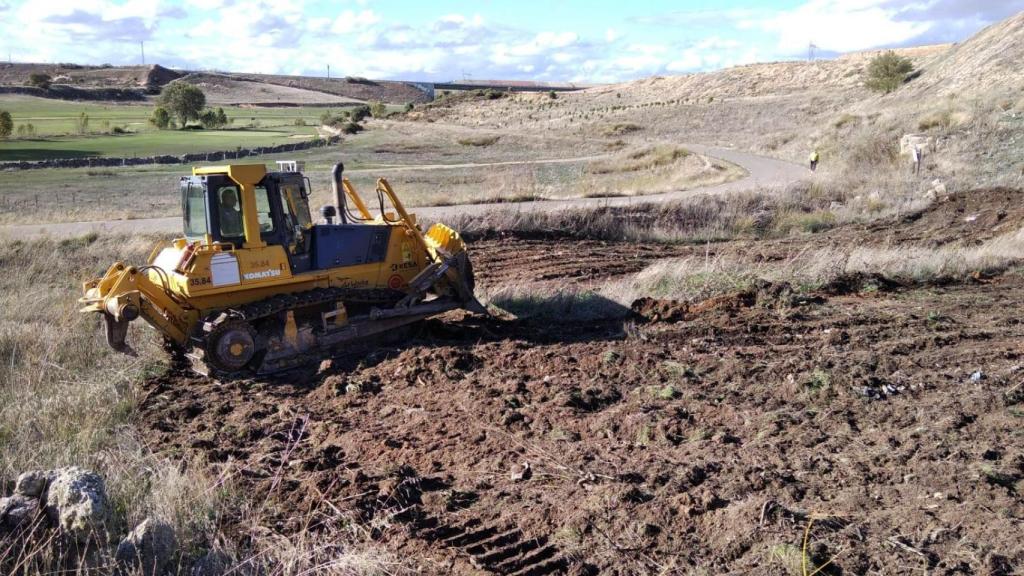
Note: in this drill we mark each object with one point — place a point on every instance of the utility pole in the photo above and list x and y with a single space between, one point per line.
142 50
328 71
810 51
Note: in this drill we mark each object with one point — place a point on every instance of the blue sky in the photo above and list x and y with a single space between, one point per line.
554 40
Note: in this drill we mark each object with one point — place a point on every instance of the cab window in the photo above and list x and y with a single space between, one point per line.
295 206
229 210
193 199
229 202
263 213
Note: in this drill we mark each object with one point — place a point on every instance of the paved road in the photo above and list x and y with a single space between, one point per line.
761 172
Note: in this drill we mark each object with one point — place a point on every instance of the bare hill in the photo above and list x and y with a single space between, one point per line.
89 76
989 60
363 89
224 89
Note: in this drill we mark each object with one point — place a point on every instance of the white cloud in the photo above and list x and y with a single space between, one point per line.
839 26
351 21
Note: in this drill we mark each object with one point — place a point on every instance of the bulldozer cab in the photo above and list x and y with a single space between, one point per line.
216 208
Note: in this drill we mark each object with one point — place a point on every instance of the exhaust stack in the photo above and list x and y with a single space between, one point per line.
337 173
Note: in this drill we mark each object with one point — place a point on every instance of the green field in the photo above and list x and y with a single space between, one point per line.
57 136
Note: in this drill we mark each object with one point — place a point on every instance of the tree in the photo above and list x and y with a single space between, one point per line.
161 118
208 119
182 100
211 118
6 124
40 80
887 72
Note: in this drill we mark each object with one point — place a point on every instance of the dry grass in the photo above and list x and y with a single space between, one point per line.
698 278
646 158
695 278
67 399
806 208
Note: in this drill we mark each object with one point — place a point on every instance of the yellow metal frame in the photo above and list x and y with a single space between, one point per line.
247 176
176 295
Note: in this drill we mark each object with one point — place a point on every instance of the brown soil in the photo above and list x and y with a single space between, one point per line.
694 438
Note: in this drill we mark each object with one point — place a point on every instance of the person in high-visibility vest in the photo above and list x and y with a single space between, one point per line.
814 160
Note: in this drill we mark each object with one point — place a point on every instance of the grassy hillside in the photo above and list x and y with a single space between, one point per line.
57 136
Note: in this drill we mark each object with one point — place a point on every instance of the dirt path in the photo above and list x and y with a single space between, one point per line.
762 171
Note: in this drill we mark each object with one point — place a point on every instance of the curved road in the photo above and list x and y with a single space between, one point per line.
761 172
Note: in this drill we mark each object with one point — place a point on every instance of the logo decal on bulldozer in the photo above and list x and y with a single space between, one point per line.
396 282
261 275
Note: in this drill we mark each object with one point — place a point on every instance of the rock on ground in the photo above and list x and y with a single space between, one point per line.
33 483
76 500
17 511
148 548
214 563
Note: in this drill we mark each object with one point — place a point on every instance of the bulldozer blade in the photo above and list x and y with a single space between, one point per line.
117 331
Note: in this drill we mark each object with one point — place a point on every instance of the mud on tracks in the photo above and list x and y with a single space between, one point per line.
706 441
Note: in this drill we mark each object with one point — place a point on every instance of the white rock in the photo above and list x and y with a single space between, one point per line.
76 500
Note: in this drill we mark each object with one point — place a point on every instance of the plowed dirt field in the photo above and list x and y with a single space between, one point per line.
879 430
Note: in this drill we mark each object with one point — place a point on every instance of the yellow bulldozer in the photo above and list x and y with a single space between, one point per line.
255 286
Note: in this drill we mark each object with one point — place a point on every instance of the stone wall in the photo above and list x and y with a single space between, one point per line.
166 159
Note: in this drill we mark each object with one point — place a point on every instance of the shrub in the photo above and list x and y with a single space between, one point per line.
553 95
299 122
378 109
208 119
887 72
351 128
944 119
82 123
212 119
40 80
620 129
409 107
182 100
844 120
479 142
6 124
161 118
359 113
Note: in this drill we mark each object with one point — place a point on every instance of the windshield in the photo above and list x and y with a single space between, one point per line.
193 207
